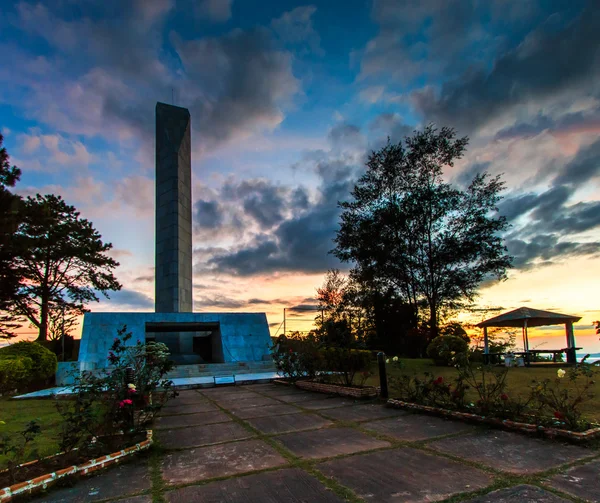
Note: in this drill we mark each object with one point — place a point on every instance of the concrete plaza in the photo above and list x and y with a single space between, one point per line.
266 443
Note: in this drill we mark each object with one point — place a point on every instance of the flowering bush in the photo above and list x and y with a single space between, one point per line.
444 348
483 390
121 400
562 398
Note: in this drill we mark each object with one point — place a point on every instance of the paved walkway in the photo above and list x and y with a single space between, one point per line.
267 443
178 383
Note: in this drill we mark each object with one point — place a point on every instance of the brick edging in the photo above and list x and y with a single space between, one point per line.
44 481
582 436
335 389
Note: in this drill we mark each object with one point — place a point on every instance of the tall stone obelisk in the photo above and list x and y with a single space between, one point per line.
173 275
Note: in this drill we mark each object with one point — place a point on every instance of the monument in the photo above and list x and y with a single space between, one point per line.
193 338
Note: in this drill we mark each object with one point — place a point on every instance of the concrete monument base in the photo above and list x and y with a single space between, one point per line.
191 337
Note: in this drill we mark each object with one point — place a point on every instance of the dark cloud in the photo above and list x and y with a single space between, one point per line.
546 249
218 301
300 243
144 279
582 168
119 65
296 28
241 82
128 298
390 125
551 61
218 11
207 214
581 121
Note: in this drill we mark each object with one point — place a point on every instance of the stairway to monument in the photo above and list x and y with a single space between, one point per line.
221 369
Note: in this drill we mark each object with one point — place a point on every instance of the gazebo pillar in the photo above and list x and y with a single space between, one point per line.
571 357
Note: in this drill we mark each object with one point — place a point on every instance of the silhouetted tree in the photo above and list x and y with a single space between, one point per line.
10 205
408 229
63 262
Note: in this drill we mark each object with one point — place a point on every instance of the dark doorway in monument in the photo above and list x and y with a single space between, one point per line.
189 342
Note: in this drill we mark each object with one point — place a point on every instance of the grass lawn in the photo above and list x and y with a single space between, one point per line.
17 413
518 379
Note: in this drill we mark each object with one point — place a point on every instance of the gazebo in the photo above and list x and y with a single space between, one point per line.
525 317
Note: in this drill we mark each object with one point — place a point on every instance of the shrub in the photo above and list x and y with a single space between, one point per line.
14 372
297 356
123 399
346 363
444 348
43 361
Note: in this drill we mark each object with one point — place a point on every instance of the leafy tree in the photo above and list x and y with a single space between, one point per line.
63 262
408 229
10 205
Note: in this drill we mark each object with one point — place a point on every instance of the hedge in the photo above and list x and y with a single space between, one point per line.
14 372
43 362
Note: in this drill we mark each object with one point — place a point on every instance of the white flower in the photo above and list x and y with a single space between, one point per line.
387 361
131 386
560 373
395 358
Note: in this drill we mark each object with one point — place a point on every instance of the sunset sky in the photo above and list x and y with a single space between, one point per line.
287 99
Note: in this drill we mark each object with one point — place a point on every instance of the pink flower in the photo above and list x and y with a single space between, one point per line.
131 391
125 402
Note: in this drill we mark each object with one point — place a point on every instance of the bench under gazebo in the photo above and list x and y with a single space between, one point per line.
525 317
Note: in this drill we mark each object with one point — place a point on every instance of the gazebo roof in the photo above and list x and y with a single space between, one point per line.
534 317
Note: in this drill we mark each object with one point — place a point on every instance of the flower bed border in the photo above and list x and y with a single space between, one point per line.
335 389
591 434
45 481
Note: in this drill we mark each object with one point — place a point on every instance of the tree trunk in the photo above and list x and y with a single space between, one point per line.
433 324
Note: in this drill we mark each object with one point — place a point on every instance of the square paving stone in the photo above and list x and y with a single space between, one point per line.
406 475
272 425
246 403
329 442
268 410
411 427
363 412
114 482
326 403
521 494
222 460
582 481
282 486
135 499
206 434
297 397
186 397
511 452
189 408
179 421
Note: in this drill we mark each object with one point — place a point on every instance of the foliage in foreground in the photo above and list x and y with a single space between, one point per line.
297 357
24 363
483 390
121 400
15 447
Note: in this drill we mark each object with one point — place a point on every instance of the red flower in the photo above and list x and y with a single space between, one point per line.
558 415
125 402
131 391
439 380
504 396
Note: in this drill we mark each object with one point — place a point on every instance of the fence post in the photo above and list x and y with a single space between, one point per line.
382 375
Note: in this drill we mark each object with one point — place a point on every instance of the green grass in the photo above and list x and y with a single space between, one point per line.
518 379
17 413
